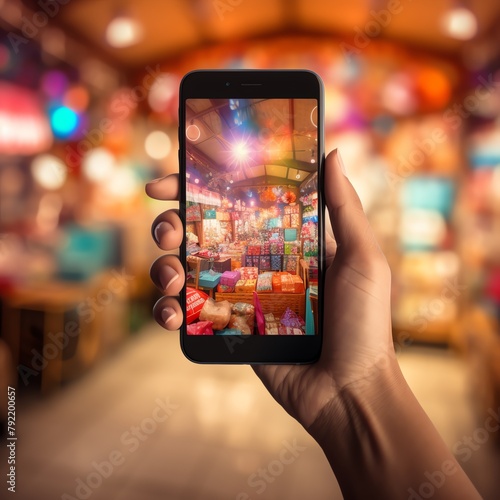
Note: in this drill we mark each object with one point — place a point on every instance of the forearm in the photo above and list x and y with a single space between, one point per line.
381 444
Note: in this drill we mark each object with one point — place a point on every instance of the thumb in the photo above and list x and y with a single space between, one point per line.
355 239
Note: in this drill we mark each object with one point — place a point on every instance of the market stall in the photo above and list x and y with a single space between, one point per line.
252 220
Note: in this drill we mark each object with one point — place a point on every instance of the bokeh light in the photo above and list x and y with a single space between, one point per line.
98 164
49 171
157 145
64 121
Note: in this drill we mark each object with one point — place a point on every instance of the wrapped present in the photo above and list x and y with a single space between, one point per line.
287 221
287 283
276 281
230 278
299 284
294 220
265 283
245 286
290 234
275 262
253 250
250 285
249 273
265 248
247 260
276 246
290 319
291 248
209 279
291 263
225 288
265 263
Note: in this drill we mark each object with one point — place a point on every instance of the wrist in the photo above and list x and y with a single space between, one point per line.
364 398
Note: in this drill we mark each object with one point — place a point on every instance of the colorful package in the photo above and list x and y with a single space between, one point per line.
290 319
276 283
287 283
265 283
225 288
275 262
230 278
265 263
248 273
299 284
195 300
290 263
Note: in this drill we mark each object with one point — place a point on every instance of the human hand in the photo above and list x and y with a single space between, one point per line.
357 321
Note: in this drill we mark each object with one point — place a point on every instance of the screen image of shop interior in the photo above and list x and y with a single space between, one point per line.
251 217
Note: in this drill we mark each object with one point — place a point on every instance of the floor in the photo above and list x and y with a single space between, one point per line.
148 425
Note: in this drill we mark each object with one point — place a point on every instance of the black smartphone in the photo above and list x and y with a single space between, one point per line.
251 165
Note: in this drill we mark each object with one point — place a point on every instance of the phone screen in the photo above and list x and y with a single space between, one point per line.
251 194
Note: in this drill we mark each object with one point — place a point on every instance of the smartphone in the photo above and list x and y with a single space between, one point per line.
251 164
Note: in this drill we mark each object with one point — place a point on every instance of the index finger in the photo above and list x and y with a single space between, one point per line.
164 188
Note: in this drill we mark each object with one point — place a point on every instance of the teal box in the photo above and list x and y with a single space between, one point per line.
209 280
290 234
210 214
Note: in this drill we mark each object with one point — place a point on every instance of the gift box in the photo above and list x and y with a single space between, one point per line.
249 273
265 248
291 248
287 221
299 284
209 214
290 263
225 288
290 234
276 279
253 250
265 283
209 279
275 262
276 247
245 286
230 278
287 283
265 263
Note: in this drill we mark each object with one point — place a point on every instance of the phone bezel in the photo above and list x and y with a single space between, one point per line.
269 84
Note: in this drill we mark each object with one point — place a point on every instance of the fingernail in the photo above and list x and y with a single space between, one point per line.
167 314
167 276
341 163
162 228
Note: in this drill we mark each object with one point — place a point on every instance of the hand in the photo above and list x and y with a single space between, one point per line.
354 401
357 321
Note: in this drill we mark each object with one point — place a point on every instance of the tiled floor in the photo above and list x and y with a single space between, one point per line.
176 430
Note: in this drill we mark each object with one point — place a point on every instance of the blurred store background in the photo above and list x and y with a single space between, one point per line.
88 114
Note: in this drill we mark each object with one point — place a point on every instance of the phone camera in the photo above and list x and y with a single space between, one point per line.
227 84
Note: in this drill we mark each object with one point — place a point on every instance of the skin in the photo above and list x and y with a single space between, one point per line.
354 401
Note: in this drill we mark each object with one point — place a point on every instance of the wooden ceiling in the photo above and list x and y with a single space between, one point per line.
172 27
